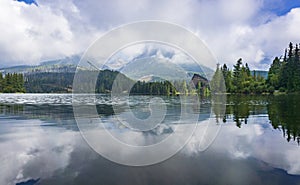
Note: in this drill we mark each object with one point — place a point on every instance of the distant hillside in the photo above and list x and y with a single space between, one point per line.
151 78
151 69
46 82
193 68
136 69
155 67
56 76
263 74
62 82
64 65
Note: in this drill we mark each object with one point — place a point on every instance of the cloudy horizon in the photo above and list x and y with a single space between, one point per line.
255 30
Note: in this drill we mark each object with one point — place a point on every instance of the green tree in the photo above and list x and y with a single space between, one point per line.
227 77
217 83
241 80
273 74
1 82
237 76
290 70
247 70
296 70
289 73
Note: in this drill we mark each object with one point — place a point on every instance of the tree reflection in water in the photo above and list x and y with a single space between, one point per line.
284 115
282 110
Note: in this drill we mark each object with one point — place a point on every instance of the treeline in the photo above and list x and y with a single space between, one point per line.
240 80
12 83
105 80
169 88
284 73
62 82
121 83
48 82
153 88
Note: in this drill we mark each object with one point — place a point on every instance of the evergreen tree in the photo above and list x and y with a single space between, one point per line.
285 75
237 74
1 82
290 70
273 74
12 83
247 70
241 80
217 83
296 70
227 77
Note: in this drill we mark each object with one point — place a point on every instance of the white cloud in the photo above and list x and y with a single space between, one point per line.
255 43
30 33
50 149
231 29
147 50
253 141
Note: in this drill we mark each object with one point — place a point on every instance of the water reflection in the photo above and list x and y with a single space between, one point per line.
240 107
29 151
284 115
282 111
40 142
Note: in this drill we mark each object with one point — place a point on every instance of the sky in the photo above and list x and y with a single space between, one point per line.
254 30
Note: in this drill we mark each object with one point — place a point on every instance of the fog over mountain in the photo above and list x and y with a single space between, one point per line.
136 62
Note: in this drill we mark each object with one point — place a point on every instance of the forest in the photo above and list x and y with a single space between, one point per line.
12 83
63 82
240 80
168 88
283 76
284 73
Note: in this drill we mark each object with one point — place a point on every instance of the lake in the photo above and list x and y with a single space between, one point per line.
256 141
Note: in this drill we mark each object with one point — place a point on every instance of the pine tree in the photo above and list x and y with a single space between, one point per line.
247 70
1 83
237 71
290 69
285 75
227 77
217 83
296 72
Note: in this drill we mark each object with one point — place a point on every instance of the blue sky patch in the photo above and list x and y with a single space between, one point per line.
280 7
29 2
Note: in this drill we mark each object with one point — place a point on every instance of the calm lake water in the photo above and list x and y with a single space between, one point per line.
257 142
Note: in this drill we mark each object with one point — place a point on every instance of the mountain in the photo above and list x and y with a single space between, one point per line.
73 60
151 69
151 78
193 68
153 66
67 64
145 69
137 68
56 76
